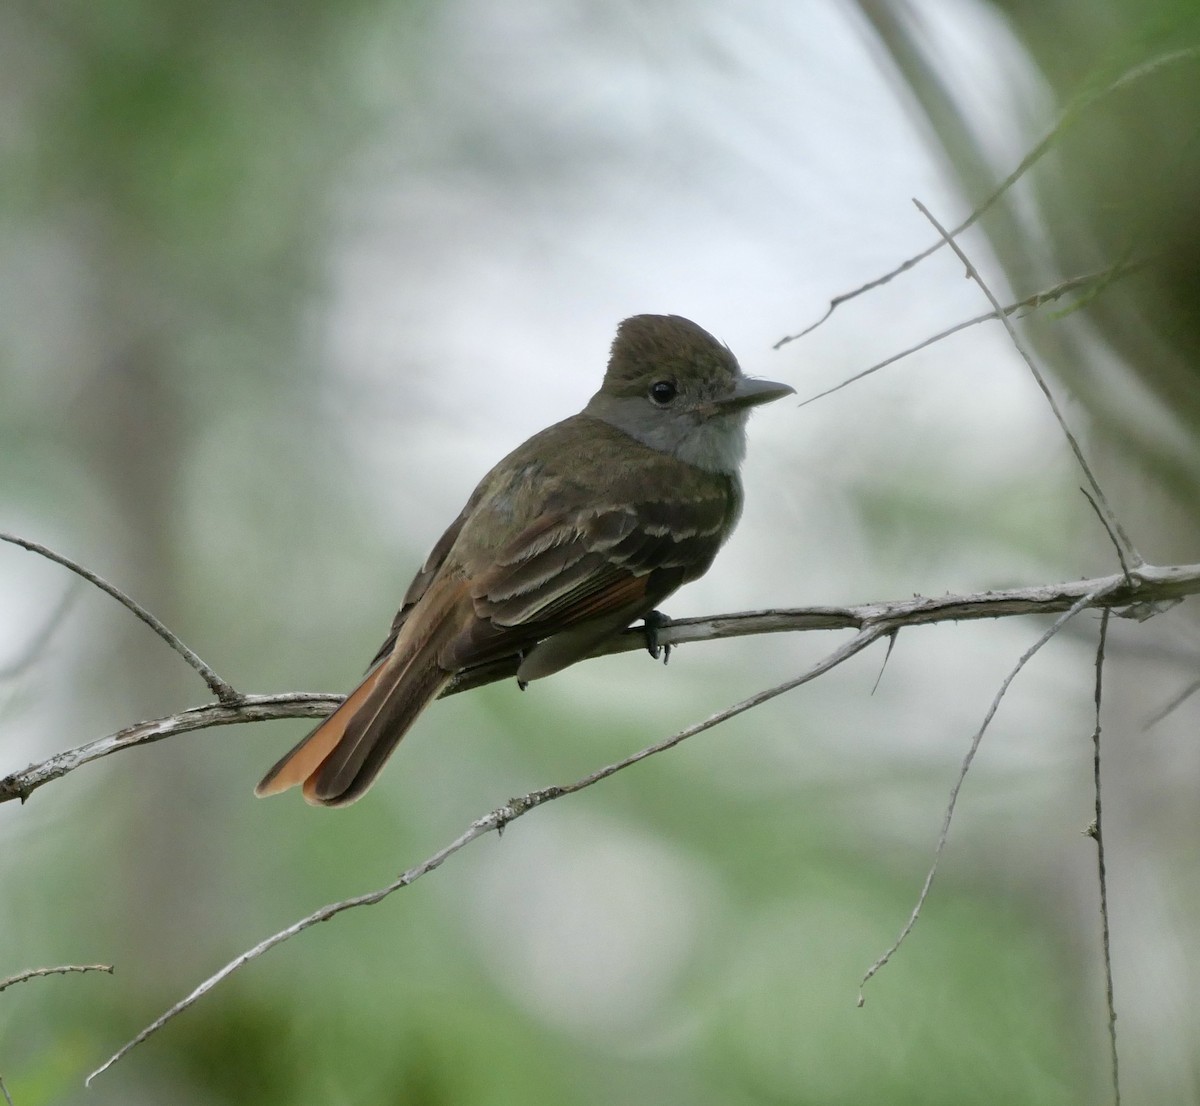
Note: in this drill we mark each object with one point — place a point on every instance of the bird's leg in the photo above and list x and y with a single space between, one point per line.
652 622
522 684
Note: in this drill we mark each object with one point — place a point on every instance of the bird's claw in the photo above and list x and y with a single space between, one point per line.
651 624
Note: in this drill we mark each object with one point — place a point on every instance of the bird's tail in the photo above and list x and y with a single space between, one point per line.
338 761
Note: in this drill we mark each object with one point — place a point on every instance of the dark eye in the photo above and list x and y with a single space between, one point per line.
663 391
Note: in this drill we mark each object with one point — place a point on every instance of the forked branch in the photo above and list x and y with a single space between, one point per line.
1145 588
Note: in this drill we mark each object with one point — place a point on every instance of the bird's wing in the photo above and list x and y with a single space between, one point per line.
568 568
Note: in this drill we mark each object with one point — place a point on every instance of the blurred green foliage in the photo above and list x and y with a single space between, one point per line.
694 931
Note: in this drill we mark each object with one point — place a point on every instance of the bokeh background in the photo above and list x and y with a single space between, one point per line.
279 282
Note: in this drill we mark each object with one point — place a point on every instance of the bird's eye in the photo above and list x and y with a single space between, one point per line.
663 391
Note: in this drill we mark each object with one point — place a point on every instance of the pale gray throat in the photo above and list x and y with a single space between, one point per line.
715 444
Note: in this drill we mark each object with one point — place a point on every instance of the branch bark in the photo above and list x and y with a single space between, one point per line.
1143 593
495 822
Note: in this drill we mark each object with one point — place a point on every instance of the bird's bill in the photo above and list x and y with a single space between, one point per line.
749 392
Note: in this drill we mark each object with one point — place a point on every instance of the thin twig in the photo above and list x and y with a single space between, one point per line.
1096 831
497 820
911 262
1081 604
62 969
877 282
1108 517
1068 116
20 664
1174 704
1101 279
886 657
4 1091
220 688
1091 499
1150 582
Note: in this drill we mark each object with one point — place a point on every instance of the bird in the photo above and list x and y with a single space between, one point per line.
574 536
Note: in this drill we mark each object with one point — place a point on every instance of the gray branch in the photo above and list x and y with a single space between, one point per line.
61 969
1144 592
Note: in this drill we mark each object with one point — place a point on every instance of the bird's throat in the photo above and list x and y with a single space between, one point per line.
715 444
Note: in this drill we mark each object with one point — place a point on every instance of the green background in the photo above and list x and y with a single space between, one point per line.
279 282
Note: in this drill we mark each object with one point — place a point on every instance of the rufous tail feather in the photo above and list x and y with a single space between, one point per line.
371 736
340 759
303 759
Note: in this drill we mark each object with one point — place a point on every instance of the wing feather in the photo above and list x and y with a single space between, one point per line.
567 569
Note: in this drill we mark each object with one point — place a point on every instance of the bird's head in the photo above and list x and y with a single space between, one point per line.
672 386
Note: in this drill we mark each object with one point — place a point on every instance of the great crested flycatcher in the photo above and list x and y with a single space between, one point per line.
575 535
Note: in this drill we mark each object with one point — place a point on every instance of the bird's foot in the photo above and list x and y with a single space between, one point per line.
651 624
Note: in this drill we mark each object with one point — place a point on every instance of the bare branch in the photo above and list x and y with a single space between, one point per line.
1147 586
1091 501
496 821
886 657
1096 831
63 969
1091 282
879 281
224 691
249 708
1065 119
1081 604
872 621
1108 516
1149 583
